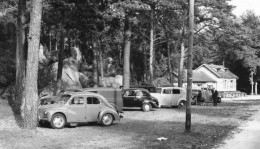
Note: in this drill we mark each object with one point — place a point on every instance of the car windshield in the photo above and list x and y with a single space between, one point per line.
62 99
158 90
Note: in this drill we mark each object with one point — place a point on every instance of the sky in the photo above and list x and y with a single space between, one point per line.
243 5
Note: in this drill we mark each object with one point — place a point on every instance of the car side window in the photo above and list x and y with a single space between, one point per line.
138 93
129 94
167 91
176 91
78 101
93 100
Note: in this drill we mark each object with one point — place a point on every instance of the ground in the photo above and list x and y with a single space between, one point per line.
210 126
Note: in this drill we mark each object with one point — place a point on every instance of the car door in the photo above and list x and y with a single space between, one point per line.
139 98
166 97
93 107
128 98
77 109
176 96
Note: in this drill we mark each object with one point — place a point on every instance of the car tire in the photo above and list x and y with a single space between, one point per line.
146 107
107 119
182 104
58 121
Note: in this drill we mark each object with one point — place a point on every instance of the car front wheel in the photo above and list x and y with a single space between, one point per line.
146 107
58 121
107 119
182 104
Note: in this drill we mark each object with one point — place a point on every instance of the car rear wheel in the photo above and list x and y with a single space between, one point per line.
146 107
107 119
182 104
58 121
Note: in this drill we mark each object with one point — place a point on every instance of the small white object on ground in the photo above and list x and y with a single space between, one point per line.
162 139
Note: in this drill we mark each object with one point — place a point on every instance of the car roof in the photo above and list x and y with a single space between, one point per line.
81 93
136 89
100 88
172 87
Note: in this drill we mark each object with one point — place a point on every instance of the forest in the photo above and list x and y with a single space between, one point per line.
142 40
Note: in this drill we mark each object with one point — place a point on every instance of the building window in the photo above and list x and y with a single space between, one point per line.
231 84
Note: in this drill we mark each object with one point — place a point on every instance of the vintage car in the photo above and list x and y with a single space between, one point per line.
78 107
138 97
171 96
113 95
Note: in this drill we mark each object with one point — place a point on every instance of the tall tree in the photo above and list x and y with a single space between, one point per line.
20 55
31 90
189 70
127 45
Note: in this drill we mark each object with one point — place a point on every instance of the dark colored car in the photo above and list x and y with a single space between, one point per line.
138 97
150 88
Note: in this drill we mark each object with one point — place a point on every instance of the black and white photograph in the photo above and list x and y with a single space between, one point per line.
129 74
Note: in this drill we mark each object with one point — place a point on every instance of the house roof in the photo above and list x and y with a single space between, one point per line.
220 71
200 76
197 76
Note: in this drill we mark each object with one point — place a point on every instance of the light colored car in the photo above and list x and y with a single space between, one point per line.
170 96
78 107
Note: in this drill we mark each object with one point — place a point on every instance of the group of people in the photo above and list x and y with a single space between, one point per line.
207 95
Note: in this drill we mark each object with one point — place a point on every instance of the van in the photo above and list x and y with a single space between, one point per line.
113 95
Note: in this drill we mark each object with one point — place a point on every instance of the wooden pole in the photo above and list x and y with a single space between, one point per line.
189 71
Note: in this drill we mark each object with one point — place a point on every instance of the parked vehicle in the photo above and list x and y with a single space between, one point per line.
138 97
171 96
78 107
150 88
194 95
112 95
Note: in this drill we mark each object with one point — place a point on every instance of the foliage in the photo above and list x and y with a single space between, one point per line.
220 37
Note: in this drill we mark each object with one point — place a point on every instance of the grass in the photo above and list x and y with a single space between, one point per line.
210 126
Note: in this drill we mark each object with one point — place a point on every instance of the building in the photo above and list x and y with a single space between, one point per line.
215 76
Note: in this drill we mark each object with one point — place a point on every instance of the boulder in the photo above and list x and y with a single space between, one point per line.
161 82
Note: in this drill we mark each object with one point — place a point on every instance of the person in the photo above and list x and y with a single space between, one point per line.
215 97
200 99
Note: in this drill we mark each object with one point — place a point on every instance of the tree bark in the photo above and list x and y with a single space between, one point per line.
169 57
151 44
127 44
189 71
95 61
31 90
20 56
180 73
60 62
101 65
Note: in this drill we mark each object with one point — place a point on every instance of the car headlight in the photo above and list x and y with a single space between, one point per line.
45 113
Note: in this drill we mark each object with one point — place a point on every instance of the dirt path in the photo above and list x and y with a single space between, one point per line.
248 138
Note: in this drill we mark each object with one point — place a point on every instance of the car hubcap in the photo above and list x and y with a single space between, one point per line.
182 104
58 121
146 107
107 119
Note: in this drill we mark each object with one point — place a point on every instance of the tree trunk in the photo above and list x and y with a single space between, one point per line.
169 57
127 44
151 44
20 56
180 73
31 90
60 62
189 71
95 61
101 65
50 47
